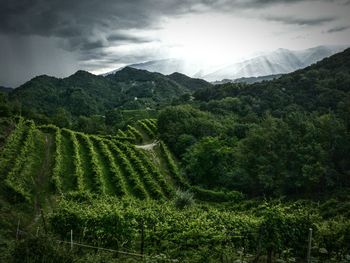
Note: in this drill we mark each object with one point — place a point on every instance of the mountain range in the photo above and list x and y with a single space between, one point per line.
280 61
86 94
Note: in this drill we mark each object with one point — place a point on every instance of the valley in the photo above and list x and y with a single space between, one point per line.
139 166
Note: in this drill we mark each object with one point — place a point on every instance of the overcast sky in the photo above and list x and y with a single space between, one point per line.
58 37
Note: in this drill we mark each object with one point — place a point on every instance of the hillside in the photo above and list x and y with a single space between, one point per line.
248 80
242 172
106 189
5 89
98 165
191 84
81 163
323 86
86 94
267 138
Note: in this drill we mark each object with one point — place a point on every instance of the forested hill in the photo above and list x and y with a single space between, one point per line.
282 137
5 89
190 83
320 87
85 94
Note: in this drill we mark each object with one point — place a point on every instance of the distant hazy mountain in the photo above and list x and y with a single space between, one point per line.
280 61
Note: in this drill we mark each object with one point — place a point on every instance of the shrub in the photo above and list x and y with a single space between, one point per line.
183 199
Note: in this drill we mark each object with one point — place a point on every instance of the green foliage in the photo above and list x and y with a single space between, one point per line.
57 170
19 177
145 126
195 233
167 187
183 199
297 154
116 177
190 83
173 169
333 235
207 162
12 146
81 95
62 118
129 172
134 133
199 192
149 183
291 156
175 121
94 165
281 228
216 195
79 171
39 249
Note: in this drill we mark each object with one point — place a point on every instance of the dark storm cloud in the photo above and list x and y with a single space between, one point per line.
75 21
93 24
263 3
126 38
79 20
338 29
300 21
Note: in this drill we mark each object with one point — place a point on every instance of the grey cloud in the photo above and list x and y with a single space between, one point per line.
77 22
127 38
300 21
264 3
338 29
66 18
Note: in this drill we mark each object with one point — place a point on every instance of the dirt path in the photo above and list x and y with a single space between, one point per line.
149 146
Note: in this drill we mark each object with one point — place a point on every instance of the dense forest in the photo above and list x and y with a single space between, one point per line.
282 137
169 168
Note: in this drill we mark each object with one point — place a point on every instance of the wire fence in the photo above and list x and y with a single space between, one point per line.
72 244
141 255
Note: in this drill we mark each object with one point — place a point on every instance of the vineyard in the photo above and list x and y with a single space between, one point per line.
92 164
83 163
118 192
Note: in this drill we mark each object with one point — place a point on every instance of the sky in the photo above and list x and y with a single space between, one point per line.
59 37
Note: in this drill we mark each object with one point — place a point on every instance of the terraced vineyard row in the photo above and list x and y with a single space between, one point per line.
20 160
84 164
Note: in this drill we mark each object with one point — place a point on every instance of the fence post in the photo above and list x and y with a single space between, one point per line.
309 246
17 231
43 218
142 237
71 239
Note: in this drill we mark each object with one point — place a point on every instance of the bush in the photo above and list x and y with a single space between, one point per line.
183 199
